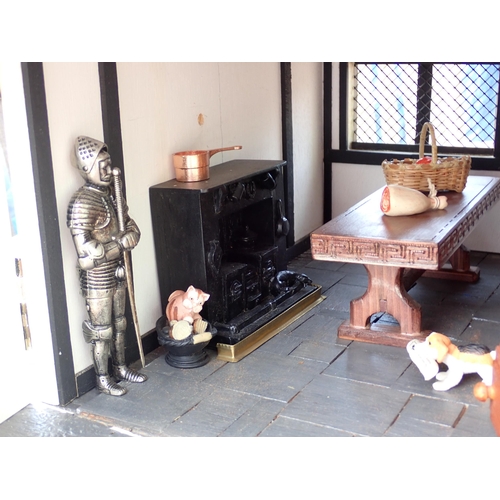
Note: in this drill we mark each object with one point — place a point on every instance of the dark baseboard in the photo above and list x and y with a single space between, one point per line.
298 248
85 381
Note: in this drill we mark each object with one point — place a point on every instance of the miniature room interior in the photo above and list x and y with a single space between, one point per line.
245 249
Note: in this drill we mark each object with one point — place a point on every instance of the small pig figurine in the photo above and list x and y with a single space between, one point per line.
182 312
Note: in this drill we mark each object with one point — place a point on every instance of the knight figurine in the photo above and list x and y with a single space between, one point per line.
93 219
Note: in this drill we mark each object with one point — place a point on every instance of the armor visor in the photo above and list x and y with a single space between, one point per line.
84 153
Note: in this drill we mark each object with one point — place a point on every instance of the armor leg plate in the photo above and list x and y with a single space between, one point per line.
120 370
100 355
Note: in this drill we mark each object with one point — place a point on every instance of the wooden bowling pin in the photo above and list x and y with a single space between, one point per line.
400 200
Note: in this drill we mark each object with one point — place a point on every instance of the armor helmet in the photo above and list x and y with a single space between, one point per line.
85 153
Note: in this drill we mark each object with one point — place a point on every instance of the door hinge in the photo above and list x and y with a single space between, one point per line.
23 306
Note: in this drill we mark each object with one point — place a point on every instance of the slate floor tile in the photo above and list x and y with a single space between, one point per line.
152 406
490 264
475 422
223 402
360 280
433 410
197 423
324 264
322 327
411 427
477 257
318 351
427 417
490 309
265 375
446 318
282 344
489 312
488 283
339 296
481 332
336 318
289 427
324 278
371 363
213 415
159 365
426 295
443 285
350 406
353 268
307 342
255 420
472 295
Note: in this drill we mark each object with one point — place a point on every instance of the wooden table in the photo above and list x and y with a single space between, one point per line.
398 250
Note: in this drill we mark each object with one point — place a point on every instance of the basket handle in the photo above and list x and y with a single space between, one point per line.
423 135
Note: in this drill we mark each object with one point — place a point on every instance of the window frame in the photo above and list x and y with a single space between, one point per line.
378 153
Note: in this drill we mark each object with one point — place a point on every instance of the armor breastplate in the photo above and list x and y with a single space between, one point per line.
92 209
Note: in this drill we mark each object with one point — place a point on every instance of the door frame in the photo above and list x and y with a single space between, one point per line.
48 220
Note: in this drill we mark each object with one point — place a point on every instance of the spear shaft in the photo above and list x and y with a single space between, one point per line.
126 260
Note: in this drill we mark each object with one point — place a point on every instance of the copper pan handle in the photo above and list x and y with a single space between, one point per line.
213 151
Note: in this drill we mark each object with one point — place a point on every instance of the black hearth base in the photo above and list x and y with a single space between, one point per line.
235 346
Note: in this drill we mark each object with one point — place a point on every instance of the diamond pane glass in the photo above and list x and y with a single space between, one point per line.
459 99
464 104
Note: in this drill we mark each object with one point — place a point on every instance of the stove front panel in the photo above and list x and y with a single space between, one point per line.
221 237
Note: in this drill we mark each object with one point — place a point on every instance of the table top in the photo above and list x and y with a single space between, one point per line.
363 234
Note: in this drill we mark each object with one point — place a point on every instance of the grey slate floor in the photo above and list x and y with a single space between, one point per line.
304 381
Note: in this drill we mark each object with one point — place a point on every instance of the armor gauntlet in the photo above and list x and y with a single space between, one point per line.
92 254
131 237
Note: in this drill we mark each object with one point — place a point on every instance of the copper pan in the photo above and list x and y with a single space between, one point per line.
192 166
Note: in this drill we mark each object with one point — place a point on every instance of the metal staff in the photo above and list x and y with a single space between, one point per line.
126 259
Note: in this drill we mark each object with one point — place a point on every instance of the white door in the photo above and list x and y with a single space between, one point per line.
14 381
28 374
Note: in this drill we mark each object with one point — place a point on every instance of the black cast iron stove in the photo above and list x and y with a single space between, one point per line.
226 235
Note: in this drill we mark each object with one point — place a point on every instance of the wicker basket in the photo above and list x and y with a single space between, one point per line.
447 174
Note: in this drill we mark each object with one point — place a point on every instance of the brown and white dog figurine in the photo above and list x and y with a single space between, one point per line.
460 360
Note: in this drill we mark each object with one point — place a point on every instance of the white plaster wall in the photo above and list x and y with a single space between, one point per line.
146 114
307 110
351 183
161 105
250 110
74 108
486 235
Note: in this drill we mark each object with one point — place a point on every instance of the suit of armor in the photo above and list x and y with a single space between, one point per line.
99 243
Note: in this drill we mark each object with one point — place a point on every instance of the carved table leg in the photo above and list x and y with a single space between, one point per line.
458 268
385 293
